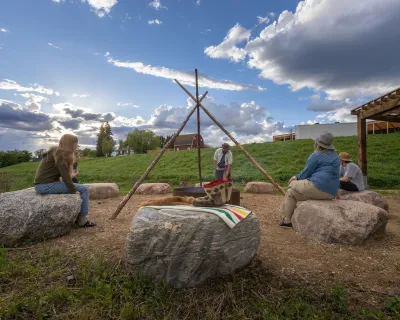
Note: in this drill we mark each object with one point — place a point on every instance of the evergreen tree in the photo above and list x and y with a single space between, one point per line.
100 138
109 134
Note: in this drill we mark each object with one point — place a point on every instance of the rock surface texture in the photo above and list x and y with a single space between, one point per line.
26 216
367 196
186 248
102 190
154 188
338 221
259 187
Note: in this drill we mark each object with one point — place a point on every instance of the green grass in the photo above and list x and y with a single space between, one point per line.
281 160
50 284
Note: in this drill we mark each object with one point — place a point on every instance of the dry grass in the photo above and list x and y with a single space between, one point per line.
291 278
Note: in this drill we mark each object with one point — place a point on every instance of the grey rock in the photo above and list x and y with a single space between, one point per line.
259 187
186 248
27 217
339 221
102 190
366 196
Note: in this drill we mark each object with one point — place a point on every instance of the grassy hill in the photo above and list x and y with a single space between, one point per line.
280 159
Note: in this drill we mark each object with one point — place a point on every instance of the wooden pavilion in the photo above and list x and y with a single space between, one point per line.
384 108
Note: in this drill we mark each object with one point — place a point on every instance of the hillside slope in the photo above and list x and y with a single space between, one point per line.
280 159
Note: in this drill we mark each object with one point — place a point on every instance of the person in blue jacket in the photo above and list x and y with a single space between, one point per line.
319 179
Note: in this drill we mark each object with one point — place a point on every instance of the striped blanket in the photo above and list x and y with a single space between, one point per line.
230 214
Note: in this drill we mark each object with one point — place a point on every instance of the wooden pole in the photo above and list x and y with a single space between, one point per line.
234 140
362 144
198 128
154 162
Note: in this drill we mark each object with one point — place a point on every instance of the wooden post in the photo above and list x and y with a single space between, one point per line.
362 144
154 162
234 141
198 127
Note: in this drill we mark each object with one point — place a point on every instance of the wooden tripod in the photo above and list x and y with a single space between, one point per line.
171 141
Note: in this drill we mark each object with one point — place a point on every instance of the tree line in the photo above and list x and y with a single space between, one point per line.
137 141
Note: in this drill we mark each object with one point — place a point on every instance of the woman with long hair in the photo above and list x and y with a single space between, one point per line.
58 162
319 179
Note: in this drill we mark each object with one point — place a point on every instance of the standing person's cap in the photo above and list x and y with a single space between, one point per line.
325 141
226 146
345 157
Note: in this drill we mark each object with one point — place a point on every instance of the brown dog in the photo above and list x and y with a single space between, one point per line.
168 201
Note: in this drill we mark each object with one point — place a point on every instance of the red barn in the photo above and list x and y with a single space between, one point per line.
188 142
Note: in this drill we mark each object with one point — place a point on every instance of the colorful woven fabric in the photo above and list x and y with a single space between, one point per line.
230 214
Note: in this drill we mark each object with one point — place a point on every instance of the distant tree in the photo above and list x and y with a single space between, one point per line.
39 153
142 140
121 144
164 140
87 152
107 147
9 158
109 134
99 144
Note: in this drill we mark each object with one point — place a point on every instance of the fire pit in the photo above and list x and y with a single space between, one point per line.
197 192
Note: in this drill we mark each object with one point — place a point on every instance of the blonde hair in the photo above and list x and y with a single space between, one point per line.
66 150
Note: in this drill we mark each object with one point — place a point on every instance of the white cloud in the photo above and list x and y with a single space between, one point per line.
54 46
198 2
186 78
34 101
262 20
127 104
206 31
156 4
75 95
323 45
4 30
102 7
7 84
228 49
154 21
58 1
272 14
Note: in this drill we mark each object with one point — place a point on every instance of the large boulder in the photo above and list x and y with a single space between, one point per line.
102 190
154 188
26 216
185 248
338 221
366 196
259 187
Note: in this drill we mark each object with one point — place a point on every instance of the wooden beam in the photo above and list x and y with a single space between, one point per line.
384 107
198 128
154 162
385 118
362 144
234 141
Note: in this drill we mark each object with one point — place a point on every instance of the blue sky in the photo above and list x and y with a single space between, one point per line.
67 66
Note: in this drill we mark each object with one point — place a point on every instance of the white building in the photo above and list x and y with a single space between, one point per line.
310 131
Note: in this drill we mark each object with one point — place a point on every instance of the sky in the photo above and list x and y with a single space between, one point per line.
66 66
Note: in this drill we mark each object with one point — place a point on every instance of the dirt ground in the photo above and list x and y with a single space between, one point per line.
372 269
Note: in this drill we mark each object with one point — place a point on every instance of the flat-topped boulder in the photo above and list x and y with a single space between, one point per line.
102 190
259 187
339 221
366 196
186 248
154 188
28 217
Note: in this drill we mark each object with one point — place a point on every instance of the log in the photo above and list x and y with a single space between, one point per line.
154 162
234 141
